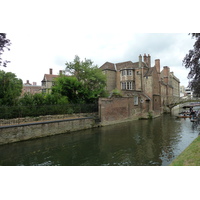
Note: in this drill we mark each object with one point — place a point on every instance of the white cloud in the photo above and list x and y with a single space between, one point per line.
46 34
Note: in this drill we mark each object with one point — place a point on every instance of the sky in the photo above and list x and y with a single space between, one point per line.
47 34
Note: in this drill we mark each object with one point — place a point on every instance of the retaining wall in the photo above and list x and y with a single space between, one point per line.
15 133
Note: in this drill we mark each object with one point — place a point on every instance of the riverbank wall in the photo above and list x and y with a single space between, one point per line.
122 109
27 131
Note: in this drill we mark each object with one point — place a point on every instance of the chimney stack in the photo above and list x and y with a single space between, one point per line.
34 83
157 64
140 61
149 60
145 58
166 71
50 71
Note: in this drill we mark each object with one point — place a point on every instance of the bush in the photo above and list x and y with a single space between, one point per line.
9 112
116 93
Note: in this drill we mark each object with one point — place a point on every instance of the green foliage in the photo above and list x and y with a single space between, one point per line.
10 88
89 78
192 61
68 87
150 115
42 99
9 112
4 43
190 156
116 93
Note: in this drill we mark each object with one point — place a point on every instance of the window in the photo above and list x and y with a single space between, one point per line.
135 100
123 85
123 72
129 72
126 72
44 83
127 85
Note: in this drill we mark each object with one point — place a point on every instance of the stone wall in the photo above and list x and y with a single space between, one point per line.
117 110
15 133
110 80
23 120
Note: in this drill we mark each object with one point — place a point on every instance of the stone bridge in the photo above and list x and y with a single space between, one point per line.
177 101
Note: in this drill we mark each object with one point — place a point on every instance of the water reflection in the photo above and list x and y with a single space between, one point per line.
137 143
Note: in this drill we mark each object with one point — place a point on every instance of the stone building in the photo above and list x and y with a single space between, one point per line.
48 81
150 88
31 88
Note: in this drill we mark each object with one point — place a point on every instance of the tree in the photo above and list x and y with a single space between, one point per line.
4 43
91 77
192 61
40 99
69 87
10 88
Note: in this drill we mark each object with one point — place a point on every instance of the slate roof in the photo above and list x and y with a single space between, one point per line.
122 65
49 77
108 65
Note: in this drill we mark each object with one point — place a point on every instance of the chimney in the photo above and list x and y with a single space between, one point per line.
145 59
60 72
140 61
166 71
50 71
157 64
27 82
34 83
149 60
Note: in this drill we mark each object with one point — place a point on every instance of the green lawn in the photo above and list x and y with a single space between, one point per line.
190 156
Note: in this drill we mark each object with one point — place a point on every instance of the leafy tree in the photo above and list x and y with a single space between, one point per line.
69 87
192 61
39 99
10 88
4 43
55 99
91 77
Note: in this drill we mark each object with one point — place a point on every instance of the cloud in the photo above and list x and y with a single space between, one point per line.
47 34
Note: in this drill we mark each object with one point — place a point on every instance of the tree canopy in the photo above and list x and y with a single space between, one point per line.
10 88
85 82
69 87
4 43
192 61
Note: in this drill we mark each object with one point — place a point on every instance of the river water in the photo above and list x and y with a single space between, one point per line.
138 143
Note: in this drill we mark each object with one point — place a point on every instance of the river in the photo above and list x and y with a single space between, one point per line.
137 143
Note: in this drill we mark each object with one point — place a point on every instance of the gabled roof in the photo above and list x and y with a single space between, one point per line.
126 65
121 66
49 77
108 66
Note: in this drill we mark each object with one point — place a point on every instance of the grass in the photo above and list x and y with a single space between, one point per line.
190 156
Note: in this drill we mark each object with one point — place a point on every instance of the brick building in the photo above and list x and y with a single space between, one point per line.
31 88
150 88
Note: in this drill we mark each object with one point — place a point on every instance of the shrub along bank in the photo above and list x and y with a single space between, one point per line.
10 112
190 156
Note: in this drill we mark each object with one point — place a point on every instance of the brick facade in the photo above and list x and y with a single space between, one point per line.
31 88
155 88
